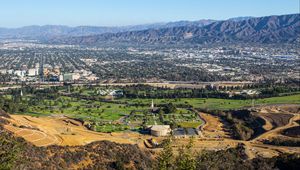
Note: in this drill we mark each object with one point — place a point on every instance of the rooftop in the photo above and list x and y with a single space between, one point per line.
160 127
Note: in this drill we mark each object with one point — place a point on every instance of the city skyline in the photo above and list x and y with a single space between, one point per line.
16 13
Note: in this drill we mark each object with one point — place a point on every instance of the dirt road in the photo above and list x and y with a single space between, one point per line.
275 132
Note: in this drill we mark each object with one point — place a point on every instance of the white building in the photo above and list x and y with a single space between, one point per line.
92 77
160 130
10 71
20 73
3 71
76 76
33 72
61 77
116 93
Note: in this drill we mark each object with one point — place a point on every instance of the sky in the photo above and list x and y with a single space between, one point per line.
17 13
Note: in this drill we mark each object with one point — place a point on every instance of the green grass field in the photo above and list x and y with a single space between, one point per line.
220 104
82 109
113 111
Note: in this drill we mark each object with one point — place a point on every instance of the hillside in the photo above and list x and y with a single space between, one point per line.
99 155
16 153
270 29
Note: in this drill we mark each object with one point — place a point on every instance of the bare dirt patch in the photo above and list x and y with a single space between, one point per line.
60 131
291 108
213 127
268 125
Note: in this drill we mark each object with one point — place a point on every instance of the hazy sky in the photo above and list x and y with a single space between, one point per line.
16 13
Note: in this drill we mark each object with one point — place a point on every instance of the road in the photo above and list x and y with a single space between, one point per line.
291 123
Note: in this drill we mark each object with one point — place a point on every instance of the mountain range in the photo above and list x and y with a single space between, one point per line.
52 31
269 29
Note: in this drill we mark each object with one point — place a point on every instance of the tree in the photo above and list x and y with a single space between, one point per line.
169 108
186 158
165 157
161 115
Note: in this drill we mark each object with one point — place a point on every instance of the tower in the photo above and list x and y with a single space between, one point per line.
152 105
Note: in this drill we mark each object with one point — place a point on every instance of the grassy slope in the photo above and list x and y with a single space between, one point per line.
111 111
224 104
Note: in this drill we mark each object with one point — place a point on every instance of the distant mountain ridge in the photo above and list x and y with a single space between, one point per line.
240 18
270 29
52 31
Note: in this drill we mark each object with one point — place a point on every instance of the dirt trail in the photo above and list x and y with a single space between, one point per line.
254 147
44 131
213 127
268 126
275 131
